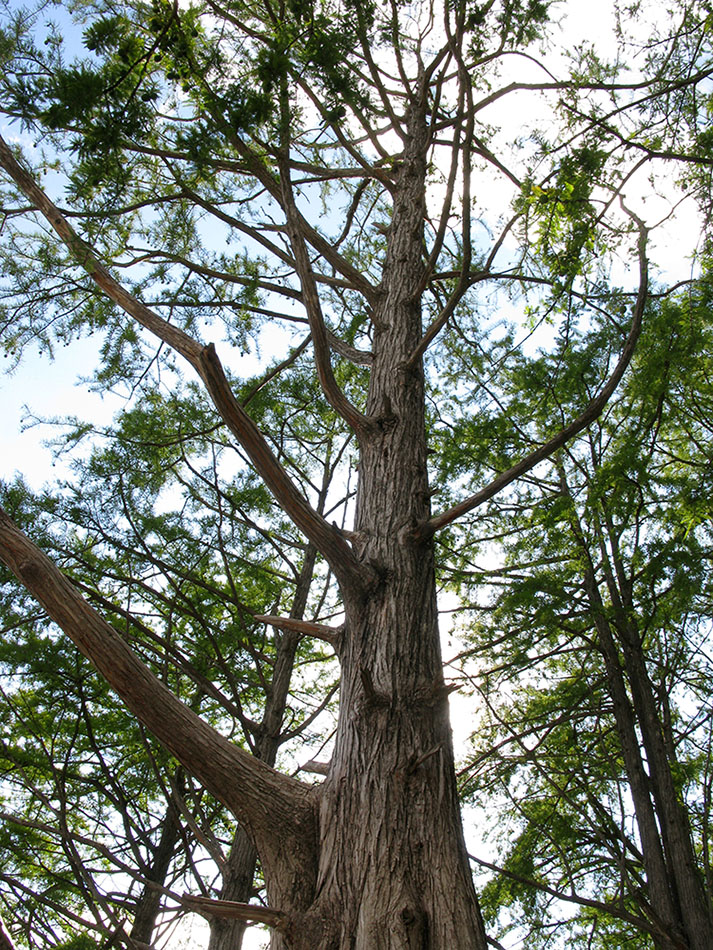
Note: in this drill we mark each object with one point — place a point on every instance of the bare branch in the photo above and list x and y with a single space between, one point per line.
316 767
351 353
310 298
327 539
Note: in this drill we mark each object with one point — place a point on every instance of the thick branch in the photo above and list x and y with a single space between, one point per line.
5 938
351 353
327 539
318 630
204 359
256 794
234 910
592 412
310 297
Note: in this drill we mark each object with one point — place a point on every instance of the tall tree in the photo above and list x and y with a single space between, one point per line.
593 650
343 151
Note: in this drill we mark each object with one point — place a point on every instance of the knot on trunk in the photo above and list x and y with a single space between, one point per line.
414 926
372 696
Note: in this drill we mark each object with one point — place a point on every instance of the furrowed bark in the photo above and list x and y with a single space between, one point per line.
257 795
394 873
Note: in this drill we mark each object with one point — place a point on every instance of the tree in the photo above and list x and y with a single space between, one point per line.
120 805
598 700
342 150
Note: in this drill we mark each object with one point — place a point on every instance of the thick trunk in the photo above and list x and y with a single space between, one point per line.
374 859
393 868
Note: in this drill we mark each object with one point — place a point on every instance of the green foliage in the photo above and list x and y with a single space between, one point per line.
613 502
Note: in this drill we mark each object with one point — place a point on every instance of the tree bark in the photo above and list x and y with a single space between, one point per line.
375 859
279 811
393 868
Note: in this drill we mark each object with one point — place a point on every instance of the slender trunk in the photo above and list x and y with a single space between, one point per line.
661 898
684 874
662 906
238 879
239 874
149 904
675 826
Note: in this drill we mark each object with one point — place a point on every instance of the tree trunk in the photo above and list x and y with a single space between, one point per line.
149 904
662 899
238 878
393 868
374 859
684 875
678 905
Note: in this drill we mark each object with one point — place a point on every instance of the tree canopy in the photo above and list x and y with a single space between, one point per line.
407 308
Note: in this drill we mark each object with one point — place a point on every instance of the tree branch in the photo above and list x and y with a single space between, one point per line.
84 255
327 539
234 910
608 907
6 942
310 298
255 793
592 412
318 630
205 361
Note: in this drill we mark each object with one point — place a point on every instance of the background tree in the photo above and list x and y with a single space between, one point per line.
593 648
314 172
